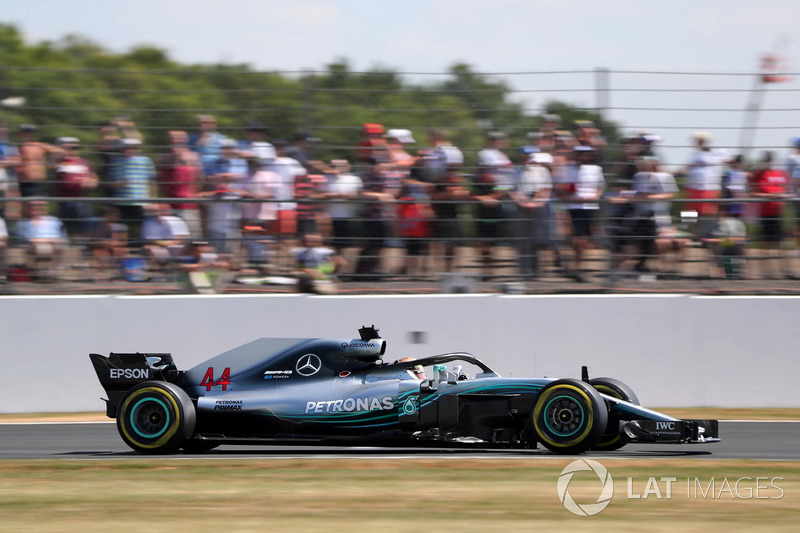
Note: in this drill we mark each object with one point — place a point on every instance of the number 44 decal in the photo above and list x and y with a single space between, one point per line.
224 380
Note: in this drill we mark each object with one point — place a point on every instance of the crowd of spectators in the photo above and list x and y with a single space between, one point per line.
258 204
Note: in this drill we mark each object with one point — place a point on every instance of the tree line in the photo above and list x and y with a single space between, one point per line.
72 85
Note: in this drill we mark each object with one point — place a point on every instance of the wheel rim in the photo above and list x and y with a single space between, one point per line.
564 416
150 418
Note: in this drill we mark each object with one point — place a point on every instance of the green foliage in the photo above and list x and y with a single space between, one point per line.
72 84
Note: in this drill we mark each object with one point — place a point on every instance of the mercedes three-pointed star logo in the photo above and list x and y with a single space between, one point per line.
308 365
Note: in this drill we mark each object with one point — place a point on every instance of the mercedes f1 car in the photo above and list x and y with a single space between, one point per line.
342 391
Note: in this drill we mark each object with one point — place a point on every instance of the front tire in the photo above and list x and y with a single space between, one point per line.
612 439
156 417
569 417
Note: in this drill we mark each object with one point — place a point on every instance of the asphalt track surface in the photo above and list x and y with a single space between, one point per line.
100 440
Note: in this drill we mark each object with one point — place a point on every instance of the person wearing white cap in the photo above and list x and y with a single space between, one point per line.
402 136
586 186
704 182
532 192
396 142
492 191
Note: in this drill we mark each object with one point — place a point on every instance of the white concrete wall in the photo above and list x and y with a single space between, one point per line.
674 350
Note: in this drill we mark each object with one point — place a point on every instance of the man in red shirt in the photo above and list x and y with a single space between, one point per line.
771 186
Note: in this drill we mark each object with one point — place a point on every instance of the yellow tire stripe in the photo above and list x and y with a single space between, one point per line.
169 433
540 405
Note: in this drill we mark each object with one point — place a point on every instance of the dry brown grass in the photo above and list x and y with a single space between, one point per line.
380 494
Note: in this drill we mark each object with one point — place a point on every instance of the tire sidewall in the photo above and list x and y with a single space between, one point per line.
612 439
166 399
593 422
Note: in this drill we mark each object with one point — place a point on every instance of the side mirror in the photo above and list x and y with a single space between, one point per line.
428 386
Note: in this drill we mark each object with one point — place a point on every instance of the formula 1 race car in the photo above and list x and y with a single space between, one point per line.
341 391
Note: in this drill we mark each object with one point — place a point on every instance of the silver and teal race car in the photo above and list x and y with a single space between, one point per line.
343 391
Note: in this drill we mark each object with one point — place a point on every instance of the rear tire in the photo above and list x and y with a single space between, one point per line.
155 417
612 439
569 417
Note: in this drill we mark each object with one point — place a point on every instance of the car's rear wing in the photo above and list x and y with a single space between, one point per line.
120 371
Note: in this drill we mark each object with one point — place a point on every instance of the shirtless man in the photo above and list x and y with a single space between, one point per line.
32 168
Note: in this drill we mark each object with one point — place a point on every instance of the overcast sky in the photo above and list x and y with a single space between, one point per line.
492 36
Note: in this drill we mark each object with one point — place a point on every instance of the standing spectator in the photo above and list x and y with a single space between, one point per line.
261 183
648 213
75 179
439 157
441 164
109 244
134 175
547 133
109 147
300 151
414 214
493 185
223 216
770 185
257 151
228 167
207 142
793 169
704 182
3 242
227 177
587 134
308 190
260 218
44 237
316 263
633 150
396 142
379 194
586 186
727 242
449 193
562 171
32 167
180 178
344 188
532 194
372 144
9 160
734 184
288 170
165 236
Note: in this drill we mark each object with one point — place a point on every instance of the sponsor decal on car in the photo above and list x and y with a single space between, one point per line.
359 344
129 373
228 405
348 405
277 374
